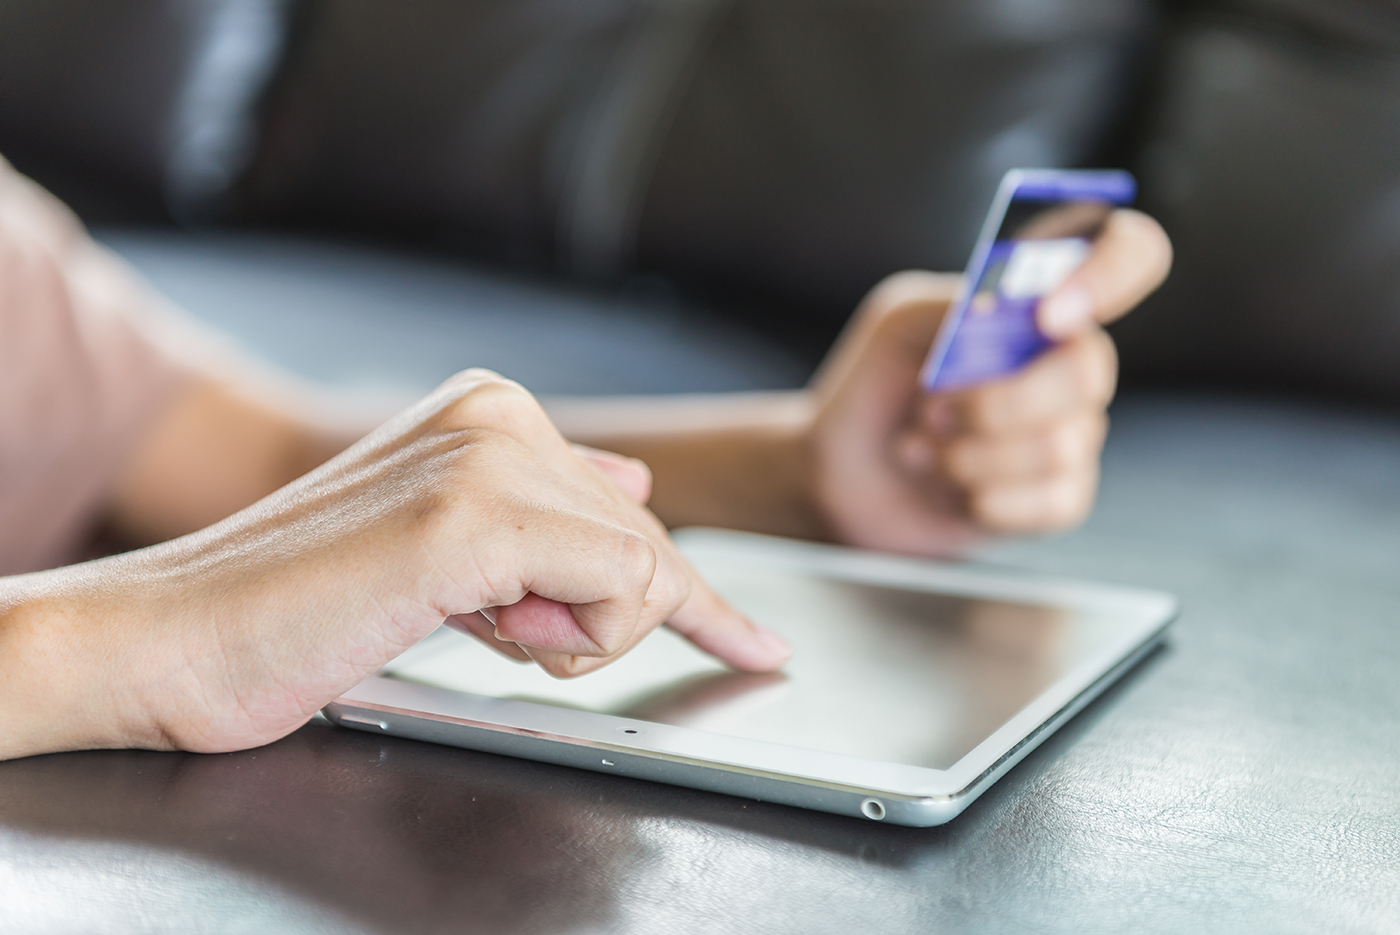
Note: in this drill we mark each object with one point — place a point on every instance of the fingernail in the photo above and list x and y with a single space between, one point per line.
772 642
1065 312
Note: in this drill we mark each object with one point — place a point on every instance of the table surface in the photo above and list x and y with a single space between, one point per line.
1246 777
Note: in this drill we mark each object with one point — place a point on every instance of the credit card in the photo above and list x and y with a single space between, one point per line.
1040 229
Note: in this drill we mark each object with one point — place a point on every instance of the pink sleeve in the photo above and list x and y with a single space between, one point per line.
85 370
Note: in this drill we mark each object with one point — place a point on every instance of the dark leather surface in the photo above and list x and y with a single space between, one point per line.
1362 23
822 145
64 115
456 119
785 153
1273 160
1245 778
801 149
124 108
778 155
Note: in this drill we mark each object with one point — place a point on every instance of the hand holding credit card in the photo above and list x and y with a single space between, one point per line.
1040 229
1000 430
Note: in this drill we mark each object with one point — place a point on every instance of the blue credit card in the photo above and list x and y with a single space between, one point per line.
1040 229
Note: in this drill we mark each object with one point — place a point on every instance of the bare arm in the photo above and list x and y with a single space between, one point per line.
860 456
228 436
214 452
737 460
468 503
863 456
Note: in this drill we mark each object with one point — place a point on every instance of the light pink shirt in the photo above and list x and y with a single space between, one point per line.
85 370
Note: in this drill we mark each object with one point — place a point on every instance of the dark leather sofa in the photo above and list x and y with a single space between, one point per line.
774 158
622 196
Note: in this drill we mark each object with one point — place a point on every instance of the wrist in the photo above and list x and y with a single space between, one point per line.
741 460
757 477
60 659
789 456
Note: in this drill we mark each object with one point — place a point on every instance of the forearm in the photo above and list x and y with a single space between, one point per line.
231 430
736 460
61 665
235 635
215 451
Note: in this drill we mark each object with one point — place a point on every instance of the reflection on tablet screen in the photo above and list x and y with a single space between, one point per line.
880 673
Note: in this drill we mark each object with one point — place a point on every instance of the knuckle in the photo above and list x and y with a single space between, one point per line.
984 407
1096 431
1082 369
901 300
1103 373
569 667
465 380
911 285
1110 377
1096 373
1066 446
482 398
635 555
672 591
992 509
1069 501
965 460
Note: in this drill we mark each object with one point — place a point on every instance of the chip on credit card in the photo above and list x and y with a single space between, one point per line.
1040 229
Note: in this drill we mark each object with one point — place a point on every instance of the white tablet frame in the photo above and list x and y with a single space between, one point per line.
894 792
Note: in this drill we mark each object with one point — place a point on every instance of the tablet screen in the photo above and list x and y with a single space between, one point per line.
882 673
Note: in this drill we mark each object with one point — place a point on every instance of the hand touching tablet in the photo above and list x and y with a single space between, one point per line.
234 635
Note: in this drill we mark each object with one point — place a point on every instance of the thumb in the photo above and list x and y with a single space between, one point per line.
1128 261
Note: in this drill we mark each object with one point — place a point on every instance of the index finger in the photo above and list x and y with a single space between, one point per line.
1129 260
708 621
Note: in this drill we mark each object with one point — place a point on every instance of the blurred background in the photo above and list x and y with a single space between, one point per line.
607 196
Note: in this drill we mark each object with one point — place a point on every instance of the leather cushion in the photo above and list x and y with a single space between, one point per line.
118 107
1365 23
823 145
1274 162
801 149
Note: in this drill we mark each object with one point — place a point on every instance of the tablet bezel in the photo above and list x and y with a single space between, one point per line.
811 778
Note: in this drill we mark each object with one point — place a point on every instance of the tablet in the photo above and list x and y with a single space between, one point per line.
913 686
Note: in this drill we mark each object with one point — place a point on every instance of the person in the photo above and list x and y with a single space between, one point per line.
287 557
